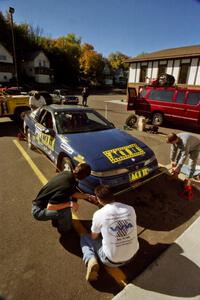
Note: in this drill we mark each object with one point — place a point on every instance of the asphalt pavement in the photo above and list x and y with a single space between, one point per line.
38 263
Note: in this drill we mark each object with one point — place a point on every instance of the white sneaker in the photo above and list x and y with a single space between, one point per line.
92 270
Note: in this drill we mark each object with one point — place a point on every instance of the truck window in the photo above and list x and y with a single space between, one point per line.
193 98
161 95
180 97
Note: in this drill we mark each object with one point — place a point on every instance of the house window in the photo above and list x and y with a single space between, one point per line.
162 69
44 63
143 73
183 75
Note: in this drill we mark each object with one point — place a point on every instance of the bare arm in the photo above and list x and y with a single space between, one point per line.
95 236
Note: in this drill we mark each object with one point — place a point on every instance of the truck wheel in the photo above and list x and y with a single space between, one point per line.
66 164
29 140
157 119
131 120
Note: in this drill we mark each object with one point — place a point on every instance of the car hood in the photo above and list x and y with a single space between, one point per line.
107 149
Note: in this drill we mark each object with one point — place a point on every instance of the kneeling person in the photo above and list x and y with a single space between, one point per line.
113 238
58 196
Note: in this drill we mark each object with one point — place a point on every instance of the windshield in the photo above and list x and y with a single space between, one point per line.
77 121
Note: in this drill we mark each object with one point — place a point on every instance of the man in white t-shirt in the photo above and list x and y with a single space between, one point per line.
36 101
113 238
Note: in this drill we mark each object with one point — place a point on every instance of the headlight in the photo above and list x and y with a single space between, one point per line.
148 161
109 173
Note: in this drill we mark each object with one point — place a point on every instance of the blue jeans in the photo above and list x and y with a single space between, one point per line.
63 217
93 248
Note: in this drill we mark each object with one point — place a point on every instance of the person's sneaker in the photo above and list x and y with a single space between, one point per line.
92 269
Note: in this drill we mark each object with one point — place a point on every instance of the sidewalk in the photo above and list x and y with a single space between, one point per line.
175 275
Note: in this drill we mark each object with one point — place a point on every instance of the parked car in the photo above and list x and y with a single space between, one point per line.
158 104
72 134
62 96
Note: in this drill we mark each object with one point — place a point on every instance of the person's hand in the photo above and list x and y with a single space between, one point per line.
74 206
176 170
173 164
93 199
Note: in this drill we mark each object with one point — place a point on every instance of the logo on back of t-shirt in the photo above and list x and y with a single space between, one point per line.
121 228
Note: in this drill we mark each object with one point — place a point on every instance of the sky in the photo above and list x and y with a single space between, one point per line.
128 26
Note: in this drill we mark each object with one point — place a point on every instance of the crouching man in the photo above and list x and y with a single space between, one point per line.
113 240
59 195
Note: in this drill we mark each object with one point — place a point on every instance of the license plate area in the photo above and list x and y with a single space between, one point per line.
136 175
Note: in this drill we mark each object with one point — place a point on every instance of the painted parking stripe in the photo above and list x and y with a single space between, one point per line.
116 273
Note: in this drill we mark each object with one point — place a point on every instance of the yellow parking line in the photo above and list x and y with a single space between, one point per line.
35 169
116 273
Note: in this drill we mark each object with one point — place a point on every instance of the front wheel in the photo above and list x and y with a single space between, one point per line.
157 119
66 164
131 121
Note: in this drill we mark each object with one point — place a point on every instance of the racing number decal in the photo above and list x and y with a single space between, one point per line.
123 153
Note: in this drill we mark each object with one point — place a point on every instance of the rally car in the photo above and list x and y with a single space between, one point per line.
72 134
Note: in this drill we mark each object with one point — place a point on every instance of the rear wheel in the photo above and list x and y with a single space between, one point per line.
29 140
157 119
131 120
66 164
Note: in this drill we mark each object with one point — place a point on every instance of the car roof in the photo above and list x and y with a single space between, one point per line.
60 107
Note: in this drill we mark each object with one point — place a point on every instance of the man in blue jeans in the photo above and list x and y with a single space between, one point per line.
113 238
183 145
59 195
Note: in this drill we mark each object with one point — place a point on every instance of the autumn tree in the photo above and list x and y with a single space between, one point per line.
116 60
91 65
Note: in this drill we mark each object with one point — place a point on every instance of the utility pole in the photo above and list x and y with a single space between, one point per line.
11 11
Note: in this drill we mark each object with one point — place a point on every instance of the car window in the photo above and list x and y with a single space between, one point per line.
161 95
193 98
78 121
46 120
180 97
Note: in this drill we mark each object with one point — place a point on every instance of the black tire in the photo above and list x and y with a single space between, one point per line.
29 140
66 164
131 121
157 118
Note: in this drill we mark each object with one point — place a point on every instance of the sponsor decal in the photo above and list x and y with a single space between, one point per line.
123 153
121 228
138 174
66 148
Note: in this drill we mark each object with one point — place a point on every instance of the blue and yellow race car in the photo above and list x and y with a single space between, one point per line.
72 134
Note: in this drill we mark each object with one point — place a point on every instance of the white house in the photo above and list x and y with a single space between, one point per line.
183 63
37 66
6 65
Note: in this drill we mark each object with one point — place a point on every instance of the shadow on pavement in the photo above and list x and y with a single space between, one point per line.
178 279
158 205
9 128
